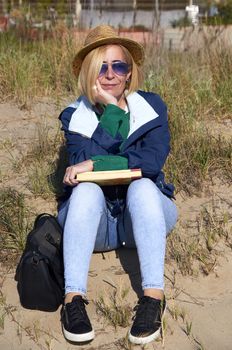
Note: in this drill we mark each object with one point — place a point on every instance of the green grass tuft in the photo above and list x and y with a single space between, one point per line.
114 309
14 221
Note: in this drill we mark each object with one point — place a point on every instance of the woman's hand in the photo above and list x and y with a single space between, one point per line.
102 96
73 170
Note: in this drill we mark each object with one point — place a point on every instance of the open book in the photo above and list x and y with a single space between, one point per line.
110 177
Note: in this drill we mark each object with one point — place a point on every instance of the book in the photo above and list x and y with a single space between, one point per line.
110 177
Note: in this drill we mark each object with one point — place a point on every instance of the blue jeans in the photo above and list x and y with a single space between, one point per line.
147 218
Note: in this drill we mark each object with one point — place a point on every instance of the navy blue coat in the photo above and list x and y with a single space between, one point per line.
147 145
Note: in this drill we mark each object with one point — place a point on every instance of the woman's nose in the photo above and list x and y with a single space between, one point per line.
109 72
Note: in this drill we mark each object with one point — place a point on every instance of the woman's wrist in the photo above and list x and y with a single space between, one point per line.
112 102
89 164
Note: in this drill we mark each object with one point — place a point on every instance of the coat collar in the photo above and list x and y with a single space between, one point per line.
84 120
141 112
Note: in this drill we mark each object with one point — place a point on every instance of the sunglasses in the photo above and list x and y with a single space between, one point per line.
119 68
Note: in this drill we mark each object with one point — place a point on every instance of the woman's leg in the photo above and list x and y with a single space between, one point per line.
152 216
87 223
81 217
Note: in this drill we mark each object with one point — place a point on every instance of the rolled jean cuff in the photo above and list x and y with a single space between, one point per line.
75 290
154 286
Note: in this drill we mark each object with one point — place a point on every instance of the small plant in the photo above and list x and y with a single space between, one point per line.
38 176
175 312
123 344
14 221
188 328
183 250
2 311
45 144
5 309
183 314
212 226
194 247
8 147
164 327
114 309
45 162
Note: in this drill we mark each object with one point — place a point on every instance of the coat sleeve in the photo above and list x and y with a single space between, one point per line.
150 152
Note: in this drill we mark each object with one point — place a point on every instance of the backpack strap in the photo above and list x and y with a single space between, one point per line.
43 215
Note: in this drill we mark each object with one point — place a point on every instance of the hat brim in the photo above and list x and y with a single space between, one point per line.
136 50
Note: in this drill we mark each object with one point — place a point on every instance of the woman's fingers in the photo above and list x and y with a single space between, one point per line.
70 182
102 95
73 170
70 176
98 86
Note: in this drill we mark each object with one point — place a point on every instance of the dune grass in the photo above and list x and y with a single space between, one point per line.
45 162
114 307
32 69
196 97
195 245
15 222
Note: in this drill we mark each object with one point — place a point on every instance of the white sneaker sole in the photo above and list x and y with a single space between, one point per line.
144 340
78 338
150 338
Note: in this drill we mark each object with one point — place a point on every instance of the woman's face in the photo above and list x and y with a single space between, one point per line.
111 81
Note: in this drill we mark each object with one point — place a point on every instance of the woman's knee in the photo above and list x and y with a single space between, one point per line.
88 193
142 189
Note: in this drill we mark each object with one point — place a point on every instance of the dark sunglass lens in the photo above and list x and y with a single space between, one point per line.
120 68
103 69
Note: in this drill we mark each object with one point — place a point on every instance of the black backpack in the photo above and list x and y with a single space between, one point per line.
40 272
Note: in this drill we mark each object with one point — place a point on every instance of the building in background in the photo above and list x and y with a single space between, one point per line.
139 14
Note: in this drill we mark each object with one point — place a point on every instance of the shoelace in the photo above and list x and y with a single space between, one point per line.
77 310
145 312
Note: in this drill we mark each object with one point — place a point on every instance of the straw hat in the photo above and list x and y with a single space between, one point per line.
103 35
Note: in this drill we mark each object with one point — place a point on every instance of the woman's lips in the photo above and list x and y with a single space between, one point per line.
108 86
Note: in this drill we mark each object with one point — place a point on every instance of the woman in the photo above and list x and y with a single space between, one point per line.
115 126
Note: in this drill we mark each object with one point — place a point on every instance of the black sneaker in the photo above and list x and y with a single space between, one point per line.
147 321
75 321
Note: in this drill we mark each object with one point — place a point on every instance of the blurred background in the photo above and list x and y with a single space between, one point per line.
127 15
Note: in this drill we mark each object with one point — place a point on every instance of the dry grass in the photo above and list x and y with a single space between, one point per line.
30 69
181 316
45 162
114 307
195 246
15 222
195 95
34 331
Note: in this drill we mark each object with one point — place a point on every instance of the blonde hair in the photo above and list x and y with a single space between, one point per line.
91 66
